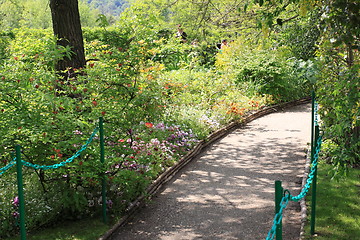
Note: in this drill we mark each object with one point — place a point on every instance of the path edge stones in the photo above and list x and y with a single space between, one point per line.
170 172
303 207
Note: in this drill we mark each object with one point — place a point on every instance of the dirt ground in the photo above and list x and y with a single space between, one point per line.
228 191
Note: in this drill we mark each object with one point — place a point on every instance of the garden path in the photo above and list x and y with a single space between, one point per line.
227 192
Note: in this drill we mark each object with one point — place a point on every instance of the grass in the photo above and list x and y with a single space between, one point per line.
338 206
87 229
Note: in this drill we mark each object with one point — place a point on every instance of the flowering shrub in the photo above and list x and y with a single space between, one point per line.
141 156
152 117
142 153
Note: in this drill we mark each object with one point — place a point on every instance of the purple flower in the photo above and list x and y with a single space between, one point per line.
109 203
16 214
161 126
15 201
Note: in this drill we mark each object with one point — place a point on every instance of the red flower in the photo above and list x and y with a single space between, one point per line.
149 125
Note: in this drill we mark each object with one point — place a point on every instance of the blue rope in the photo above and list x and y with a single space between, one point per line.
289 197
7 167
309 180
278 217
54 166
69 160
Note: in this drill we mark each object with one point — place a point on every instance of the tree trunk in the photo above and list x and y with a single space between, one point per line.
67 28
350 56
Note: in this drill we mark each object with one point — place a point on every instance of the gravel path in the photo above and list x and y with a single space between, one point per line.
227 192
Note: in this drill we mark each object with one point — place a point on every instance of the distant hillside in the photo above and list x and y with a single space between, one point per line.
109 7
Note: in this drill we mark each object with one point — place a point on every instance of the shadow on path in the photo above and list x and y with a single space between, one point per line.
227 192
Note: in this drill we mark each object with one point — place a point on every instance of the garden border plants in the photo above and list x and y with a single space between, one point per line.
166 176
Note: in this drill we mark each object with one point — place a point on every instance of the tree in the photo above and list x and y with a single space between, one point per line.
67 28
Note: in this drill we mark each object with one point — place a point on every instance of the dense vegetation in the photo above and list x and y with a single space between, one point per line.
157 94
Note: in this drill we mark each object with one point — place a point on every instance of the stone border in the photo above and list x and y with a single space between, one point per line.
170 172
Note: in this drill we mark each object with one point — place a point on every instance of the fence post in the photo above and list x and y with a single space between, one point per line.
278 197
102 159
20 192
312 123
313 193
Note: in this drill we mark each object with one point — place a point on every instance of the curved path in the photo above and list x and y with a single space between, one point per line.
227 192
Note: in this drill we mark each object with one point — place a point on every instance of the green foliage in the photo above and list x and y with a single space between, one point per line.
112 36
341 21
37 14
5 38
263 71
301 38
158 98
90 228
338 84
338 92
51 117
20 13
337 64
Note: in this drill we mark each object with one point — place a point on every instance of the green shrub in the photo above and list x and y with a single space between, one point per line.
339 98
5 39
152 116
263 71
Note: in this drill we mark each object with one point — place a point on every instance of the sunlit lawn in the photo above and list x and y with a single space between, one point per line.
338 206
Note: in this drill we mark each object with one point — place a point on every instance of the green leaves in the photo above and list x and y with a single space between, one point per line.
102 21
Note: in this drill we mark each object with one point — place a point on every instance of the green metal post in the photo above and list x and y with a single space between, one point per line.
102 159
278 196
312 124
313 194
20 192
313 145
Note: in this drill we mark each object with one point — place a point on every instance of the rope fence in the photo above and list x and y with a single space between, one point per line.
54 166
16 161
283 197
288 197
7 167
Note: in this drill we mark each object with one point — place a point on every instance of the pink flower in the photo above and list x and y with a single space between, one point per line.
15 201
